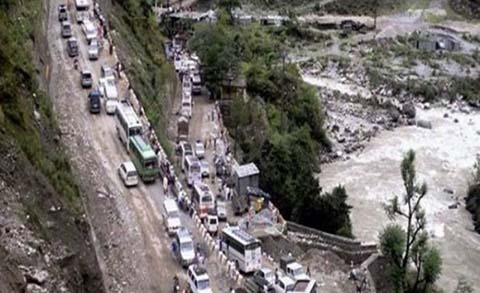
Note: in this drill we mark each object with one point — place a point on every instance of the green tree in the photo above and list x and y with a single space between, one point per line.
228 5
411 246
473 196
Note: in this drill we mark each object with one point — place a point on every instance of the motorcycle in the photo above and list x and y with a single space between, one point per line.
176 285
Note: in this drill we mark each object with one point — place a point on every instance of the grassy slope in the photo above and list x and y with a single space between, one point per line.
42 172
140 41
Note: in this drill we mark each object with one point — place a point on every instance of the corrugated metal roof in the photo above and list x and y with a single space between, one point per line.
247 170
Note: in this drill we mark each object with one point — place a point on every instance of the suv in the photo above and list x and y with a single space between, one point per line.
93 49
198 280
86 79
94 102
127 171
185 252
62 12
66 29
264 278
199 149
72 47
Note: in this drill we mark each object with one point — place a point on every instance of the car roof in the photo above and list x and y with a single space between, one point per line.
294 265
265 270
129 166
286 280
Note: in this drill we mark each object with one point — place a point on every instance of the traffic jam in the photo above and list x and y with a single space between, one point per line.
204 189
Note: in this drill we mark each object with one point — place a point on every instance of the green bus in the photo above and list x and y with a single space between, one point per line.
144 158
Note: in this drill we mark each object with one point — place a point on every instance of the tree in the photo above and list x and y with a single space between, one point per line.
411 246
473 196
229 5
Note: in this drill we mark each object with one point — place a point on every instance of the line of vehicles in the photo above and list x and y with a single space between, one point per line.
240 247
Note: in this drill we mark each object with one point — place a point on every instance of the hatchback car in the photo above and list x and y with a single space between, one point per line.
62 12
93 49
204 168
221 208
66 29
94 102
128 173
86 79
107 71
199 150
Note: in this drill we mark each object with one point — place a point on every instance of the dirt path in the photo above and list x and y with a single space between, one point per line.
131 243
445 156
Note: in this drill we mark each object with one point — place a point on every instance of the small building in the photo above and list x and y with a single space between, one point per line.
233 85
245 176
241 18
433 42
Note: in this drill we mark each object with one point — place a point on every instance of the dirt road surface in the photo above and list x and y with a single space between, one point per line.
132 246
445 157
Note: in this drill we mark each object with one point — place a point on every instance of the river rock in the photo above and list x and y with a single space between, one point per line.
409 110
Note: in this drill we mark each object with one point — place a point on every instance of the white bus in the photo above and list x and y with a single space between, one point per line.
203 200
241 248
127 124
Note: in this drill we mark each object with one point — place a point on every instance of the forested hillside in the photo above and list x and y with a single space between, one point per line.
280 125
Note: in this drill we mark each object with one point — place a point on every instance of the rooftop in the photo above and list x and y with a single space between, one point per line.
247 170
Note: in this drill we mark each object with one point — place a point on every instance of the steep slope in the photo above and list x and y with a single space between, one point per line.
44 237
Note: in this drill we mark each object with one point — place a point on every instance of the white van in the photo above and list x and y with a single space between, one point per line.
128 173
211 223
198 280
171 216
193 170
89 30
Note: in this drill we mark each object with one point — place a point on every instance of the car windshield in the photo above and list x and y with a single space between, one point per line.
213 221
207 198
298 271
186 104
86 75
135 131
150 164
195 168
186 246
268 275
132 173
110 82
204 284
173 214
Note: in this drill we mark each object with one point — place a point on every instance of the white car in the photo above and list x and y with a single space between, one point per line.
199 150
89 30
109 91
82 16
295 271
198 280
283 285
128 173
211 223
93 49
204 168
107 72
221 210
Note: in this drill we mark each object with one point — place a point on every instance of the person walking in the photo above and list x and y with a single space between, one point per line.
165 185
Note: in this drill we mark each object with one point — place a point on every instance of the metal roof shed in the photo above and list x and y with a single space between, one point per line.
245 175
